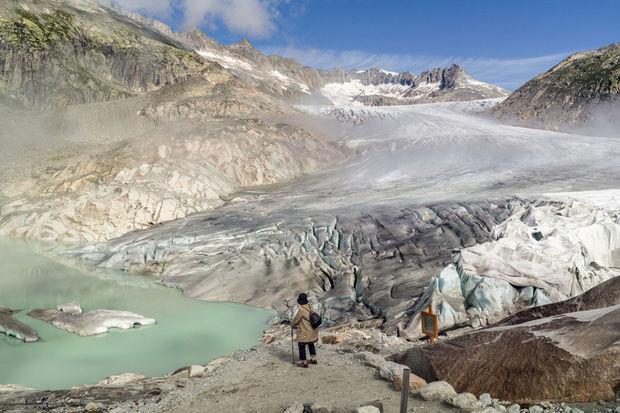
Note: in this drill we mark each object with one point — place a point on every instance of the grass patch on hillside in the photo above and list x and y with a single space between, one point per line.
38 32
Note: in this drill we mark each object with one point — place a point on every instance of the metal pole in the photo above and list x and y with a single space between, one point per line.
404 395
292 347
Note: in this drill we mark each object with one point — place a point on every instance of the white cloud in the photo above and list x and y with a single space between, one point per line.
251 17
254 18
508 73
152 8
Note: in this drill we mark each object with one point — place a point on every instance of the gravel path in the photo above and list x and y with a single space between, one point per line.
264 380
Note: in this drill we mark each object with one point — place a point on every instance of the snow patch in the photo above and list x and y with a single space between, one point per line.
286 81
345 93
227 61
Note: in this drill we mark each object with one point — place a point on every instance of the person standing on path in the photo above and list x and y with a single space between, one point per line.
306 334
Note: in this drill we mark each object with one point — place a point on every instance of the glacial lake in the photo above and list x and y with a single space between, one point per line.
187 331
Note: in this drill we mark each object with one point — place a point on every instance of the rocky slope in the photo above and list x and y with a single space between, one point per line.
119 187
582 88
566 351
77 52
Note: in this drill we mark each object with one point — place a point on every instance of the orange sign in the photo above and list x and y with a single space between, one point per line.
430 323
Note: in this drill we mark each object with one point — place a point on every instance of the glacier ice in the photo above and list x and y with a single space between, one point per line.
486 282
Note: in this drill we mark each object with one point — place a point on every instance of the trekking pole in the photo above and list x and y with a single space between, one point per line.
292 346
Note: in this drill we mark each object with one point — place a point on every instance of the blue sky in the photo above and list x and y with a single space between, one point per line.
499 41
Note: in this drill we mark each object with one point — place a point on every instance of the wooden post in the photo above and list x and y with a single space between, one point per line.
404 395
430 311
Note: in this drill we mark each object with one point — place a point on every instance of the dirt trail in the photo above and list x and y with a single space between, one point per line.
264 380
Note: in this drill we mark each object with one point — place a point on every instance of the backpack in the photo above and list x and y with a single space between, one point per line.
315 320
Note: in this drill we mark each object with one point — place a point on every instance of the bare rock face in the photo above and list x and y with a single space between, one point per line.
14 328
569 93
563 357
74 52
70 318
377 76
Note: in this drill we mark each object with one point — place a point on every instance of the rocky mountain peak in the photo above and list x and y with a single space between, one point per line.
243 44
245 49
446 77
378 76
452 74
197 40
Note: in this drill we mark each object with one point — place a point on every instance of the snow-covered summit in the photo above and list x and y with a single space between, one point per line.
378 87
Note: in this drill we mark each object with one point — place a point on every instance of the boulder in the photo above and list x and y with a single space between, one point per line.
120 379
392 371
70 308
189 371
465 401
437 391
216 363
372 359
536 409
331 339
296 407
415 382
367 409
320 408
94 407
486 400
499 407
374 403
514 408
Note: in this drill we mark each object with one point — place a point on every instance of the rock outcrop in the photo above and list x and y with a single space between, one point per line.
14 328
70 317
72 52
581 87
541 354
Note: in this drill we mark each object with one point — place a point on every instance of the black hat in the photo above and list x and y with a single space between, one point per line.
302 299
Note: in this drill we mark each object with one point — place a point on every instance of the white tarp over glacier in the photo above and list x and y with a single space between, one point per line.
544 253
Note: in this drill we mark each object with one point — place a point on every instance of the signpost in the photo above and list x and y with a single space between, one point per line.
430 323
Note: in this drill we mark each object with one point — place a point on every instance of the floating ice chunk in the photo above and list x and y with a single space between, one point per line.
89 323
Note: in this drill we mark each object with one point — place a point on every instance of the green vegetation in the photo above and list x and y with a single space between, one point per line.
70 58
598 73
37 33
